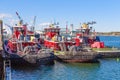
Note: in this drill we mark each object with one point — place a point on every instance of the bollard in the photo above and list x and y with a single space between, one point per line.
118 59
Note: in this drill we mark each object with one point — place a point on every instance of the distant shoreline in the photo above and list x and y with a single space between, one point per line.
108 33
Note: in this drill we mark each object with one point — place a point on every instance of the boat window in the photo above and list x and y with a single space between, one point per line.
19 29
53 30
47 30
15 28
50 30
56 30
69 38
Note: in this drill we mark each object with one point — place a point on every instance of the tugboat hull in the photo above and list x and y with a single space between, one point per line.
44 57
79 57
31 61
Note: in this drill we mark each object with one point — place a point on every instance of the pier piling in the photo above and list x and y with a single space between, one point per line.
5 58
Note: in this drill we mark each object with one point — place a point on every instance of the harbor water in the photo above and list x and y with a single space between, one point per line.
107 69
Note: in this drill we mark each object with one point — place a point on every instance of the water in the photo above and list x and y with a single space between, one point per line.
107 69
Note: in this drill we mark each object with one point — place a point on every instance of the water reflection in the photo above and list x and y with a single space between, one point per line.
107 69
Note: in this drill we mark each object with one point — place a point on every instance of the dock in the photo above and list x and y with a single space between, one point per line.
79 57
85 57
109 54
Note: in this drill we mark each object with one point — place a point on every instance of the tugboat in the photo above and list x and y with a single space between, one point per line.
24 47
77 49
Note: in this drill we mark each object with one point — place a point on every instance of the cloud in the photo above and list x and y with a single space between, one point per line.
7 19
41 26
13 21
45 24
4 15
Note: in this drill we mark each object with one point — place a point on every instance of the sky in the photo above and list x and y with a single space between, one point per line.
106 13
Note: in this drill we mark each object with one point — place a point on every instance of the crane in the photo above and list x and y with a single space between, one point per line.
33 26
20 19
93 22
34 21
11 28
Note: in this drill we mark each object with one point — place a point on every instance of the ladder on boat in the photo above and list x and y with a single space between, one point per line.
7 69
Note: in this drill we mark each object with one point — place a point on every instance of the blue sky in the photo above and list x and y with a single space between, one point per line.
105 12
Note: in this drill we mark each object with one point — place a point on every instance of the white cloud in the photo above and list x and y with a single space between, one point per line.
13 21
7 19
41 26
45 24
4 15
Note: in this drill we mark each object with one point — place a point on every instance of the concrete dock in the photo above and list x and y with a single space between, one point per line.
84 57
109 54
79 57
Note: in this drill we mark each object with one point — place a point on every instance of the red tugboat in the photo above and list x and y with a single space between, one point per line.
23 46
55 41
78 49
